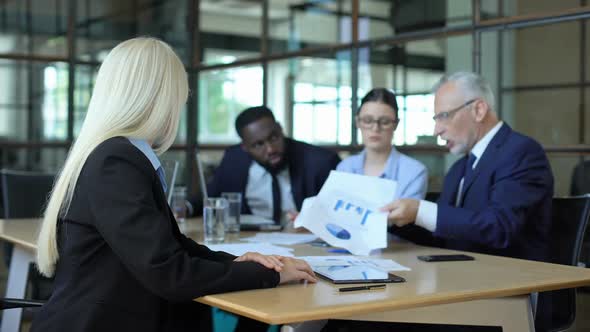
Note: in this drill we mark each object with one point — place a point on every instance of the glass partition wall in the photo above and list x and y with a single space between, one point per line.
310 61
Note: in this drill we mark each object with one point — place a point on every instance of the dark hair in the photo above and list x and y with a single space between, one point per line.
381 95
250 115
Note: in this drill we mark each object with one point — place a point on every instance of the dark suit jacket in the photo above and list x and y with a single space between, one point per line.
506 207
309 167
124 265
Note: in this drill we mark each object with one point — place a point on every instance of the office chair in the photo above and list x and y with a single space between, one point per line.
556 310
24 195
580 185
432 196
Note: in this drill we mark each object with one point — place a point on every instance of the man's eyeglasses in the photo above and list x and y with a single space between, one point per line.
443 116
367 122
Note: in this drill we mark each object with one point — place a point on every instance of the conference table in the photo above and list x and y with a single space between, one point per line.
489 291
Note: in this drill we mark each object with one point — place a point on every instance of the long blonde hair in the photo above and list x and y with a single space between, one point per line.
140 89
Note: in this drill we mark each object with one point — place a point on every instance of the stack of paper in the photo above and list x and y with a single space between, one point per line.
281 238
238 249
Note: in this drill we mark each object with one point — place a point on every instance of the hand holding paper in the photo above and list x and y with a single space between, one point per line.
346 212
402 211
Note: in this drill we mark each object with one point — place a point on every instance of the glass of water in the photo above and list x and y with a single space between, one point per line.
179 204
232 224
215 215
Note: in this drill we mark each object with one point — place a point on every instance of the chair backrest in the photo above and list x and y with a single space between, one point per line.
568 227
24 194
557 309
581 178
432 196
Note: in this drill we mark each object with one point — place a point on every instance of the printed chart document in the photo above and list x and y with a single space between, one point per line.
346 212
349 260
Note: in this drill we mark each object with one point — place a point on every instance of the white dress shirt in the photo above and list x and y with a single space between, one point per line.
428 211
259 192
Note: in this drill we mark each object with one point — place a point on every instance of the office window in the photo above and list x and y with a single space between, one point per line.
223 94
294 25
55 102
233 27
416 125
33 27
322 114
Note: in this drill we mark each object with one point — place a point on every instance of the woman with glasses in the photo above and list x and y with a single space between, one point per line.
377 119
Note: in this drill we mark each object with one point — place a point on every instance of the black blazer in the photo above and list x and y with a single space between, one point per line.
309 167
124 265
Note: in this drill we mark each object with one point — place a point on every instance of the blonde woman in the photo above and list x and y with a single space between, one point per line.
377 119
119 260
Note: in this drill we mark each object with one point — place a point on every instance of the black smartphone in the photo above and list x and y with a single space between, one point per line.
445 258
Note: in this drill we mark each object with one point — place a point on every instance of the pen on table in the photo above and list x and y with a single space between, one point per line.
356 288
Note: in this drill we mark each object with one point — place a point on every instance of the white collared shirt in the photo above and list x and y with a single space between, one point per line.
259 192
410 174
428 211
145 148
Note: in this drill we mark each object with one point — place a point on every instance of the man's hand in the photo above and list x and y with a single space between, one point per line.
269 261
290 226
292 215
401 212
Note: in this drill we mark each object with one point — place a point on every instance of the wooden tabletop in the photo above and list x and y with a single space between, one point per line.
20 231
426 284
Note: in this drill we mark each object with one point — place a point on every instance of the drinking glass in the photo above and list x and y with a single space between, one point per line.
234 200
179 204
215 215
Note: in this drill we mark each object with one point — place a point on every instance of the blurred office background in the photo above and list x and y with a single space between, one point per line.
310 61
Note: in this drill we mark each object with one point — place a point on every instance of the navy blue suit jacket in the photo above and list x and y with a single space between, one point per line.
309 167
506 208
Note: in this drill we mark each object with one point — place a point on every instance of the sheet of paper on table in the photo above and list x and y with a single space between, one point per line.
238 249
281 238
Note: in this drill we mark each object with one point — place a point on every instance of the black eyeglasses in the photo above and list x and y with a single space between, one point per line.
443 116
366 122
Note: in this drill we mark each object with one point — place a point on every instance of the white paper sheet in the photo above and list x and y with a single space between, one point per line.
346 212
238 249
378 263
250 219
281 238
